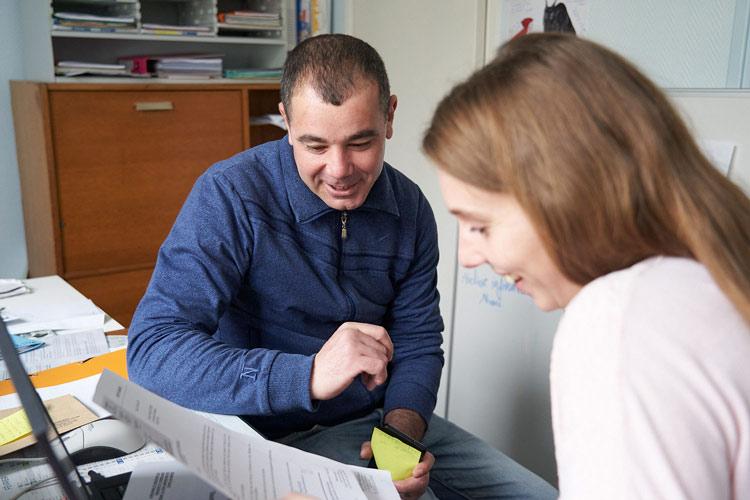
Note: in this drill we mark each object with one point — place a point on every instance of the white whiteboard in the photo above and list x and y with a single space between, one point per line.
720 115
498 386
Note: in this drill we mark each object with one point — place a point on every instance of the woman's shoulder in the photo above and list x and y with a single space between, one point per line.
661 303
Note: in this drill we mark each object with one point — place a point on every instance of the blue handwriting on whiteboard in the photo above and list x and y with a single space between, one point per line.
491 288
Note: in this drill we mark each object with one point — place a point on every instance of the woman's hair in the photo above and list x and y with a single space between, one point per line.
598 158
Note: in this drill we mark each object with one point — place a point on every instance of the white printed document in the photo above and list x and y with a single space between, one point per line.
68 314
238 465
168 481
60 350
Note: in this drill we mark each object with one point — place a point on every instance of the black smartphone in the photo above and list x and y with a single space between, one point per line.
407 440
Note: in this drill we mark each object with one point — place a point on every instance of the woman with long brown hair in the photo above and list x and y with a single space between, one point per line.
572 175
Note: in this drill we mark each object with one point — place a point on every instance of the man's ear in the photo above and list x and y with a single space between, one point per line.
282 112
392 103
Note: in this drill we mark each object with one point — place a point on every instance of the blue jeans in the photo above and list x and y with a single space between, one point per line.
465 466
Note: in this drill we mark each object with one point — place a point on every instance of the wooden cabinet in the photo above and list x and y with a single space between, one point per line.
105 169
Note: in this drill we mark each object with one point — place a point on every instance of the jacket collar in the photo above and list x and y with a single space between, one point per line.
307 206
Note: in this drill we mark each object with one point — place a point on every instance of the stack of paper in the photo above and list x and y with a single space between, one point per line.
85 21
249 19
57 350
67 315
173 29
11 287
187 67
76 68
23 344
254 73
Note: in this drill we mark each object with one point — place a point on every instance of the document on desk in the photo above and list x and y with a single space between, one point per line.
61 350
238 465
61 315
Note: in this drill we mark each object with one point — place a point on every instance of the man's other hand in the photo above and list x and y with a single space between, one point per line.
354 349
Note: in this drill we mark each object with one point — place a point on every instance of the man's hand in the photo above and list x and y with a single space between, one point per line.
411 487
410 423
354 349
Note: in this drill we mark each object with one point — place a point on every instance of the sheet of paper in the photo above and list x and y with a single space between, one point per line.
61 350
13 427
231 422
18 476
128 463
116 342
168 480
23 344
58 313
720 153
238 465
83 390
66 412
11 288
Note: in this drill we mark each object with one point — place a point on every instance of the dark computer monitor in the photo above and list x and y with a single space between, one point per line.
42 426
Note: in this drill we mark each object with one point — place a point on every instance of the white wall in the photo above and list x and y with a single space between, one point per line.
427 46
12 242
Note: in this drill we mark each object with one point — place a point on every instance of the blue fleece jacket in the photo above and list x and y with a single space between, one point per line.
254 277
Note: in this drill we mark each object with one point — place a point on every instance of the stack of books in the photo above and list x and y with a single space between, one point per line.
172 29
273 74
189 67
90 22
78 68
249 20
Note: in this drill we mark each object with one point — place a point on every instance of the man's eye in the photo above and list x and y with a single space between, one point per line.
360 145
478 229
315 149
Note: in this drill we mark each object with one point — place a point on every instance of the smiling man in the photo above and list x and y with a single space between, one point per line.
297 287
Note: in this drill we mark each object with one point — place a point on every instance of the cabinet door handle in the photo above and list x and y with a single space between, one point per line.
154 106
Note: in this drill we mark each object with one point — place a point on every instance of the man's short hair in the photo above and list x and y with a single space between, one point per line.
333 65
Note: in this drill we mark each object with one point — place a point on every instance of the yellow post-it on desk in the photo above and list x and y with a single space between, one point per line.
65 411
14 426
393 455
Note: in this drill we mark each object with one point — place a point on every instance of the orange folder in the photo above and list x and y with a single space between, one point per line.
115 361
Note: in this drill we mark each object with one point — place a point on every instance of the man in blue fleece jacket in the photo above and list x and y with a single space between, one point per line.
298 286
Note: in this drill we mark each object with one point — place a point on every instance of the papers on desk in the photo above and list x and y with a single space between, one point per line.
68 315
237 465
60 350
23 344
11 287
83 389
66 412
18 476
108 468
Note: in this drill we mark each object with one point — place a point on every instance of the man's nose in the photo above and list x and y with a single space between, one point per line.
339 163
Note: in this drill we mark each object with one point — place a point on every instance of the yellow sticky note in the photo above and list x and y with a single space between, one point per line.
393 455
13 427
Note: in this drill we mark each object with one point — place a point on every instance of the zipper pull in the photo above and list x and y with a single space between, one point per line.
344 218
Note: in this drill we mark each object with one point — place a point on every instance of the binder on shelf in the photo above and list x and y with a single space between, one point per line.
313 18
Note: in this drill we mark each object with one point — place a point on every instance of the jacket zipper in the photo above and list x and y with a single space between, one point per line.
344 219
